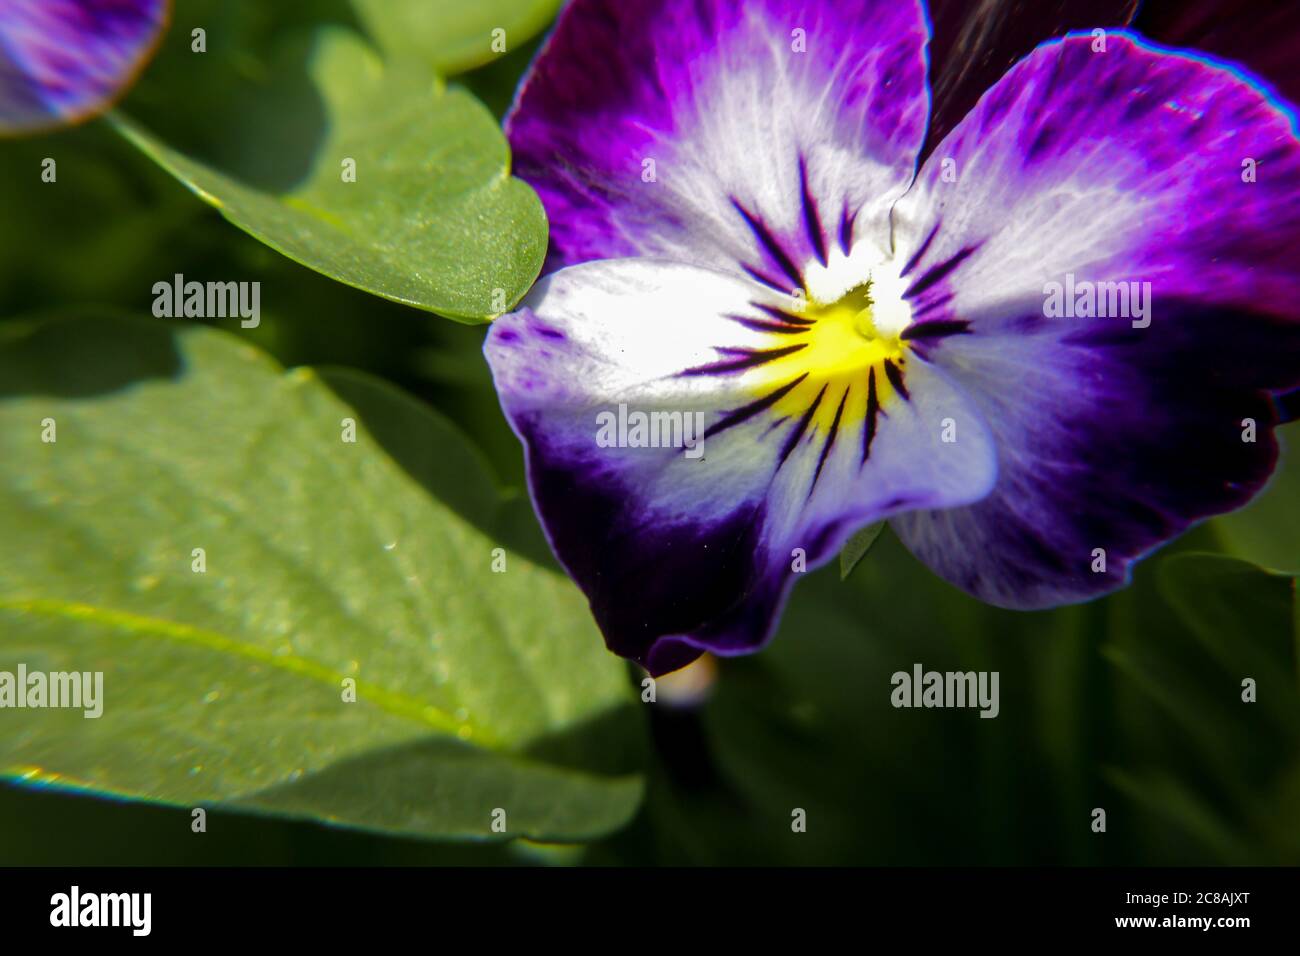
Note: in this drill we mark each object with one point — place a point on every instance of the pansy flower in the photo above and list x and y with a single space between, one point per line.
1040 354
62 61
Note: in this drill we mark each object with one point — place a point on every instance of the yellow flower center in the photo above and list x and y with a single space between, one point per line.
845 361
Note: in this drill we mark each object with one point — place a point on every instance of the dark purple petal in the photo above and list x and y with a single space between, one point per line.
64 60
763 137
1127 166
976 41
1264 35
1117 442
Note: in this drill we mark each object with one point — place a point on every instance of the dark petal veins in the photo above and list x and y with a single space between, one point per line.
763 325
800 428
923 315
745 359
847 220
759 276
873 410
770 245
936 329
938 273
921 250
830 439
746 412
895 376
781 315
811 219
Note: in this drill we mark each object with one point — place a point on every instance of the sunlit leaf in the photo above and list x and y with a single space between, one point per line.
390 181
481 683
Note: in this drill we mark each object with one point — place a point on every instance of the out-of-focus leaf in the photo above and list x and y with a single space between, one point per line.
1240 613
325 562
1170 800
497 82
1212 775
192 100
104 224
454 35
856 548
1127 703
433 218
809 725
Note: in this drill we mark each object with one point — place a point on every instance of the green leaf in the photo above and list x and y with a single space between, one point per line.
453 35
1267 531
1183 809
1216 774
1116 703
856 548
1243 617
809 723
433 218
324 560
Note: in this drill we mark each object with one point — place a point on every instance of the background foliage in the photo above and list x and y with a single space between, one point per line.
170 431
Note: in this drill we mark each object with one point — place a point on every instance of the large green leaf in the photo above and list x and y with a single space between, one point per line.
454 35
325 560
433 218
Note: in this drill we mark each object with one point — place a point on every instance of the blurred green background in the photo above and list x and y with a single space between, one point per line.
1131 704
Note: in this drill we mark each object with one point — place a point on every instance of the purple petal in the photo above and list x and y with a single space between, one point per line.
1129 166
801 446
759 137
976 42
64 60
